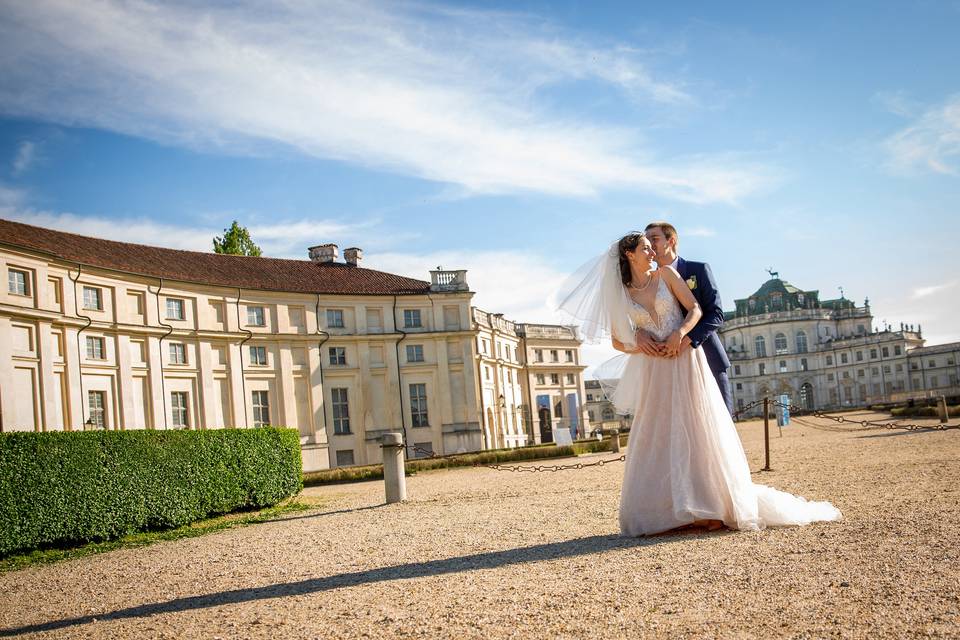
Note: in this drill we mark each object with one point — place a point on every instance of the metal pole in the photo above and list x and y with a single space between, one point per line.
766 432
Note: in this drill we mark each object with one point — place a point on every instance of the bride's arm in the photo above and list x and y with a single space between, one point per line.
619 346
683 294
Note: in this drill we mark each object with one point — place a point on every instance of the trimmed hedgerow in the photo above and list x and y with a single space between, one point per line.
69 487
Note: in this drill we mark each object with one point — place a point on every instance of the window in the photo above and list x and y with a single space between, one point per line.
411 319
178 409
875 371
739 387
499 350
861 373
570 379
335 321
554 355
896 350
483 346
96 349
829 360
569 355
933 381
256 317
914 366
258 355
886 352
414 353
763 369
92 298
554 378
761 346
803 364
780 343
873 354
899 368
261 408
931 363
345 457
538 355
509 376
338 355
736 369
341 411
830 377
608 414
846 375
174 309
783 366
801 342
859 356
506 351
18 282
423 449
541 379
589 397
843 358
418 405
96 401
886 368
178 353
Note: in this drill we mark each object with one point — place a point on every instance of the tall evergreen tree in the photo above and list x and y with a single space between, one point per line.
236 241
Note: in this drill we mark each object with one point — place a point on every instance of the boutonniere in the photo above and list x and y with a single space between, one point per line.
692 282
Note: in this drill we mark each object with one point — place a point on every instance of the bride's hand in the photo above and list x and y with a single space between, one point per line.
673 344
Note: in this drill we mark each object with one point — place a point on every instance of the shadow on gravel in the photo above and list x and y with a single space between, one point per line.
901 432
490 560
321 514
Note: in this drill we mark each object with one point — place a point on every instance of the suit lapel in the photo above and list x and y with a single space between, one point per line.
682 268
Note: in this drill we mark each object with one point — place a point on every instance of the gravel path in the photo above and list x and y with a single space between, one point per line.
477 553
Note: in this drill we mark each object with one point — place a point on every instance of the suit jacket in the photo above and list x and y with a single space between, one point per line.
705 332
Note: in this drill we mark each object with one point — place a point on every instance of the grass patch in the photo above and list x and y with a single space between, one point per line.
480 458
19 561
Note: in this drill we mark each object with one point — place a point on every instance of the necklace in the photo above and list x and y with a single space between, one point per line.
645 285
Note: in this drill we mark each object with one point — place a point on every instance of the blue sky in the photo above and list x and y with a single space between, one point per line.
515 140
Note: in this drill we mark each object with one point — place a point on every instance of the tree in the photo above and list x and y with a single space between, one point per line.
236 241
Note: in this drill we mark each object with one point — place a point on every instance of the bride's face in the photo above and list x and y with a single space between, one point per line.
643 255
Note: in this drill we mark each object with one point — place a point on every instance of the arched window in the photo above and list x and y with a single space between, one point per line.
608 414
806 396
780 343
761 346
801 342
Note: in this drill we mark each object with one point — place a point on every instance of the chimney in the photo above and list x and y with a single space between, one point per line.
353 256
324 253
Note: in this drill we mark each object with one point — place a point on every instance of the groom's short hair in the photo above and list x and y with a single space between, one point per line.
669 231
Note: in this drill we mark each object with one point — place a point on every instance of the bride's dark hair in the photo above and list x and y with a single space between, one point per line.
629 242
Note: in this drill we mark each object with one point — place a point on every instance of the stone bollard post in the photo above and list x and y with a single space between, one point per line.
615 441
942 410
393 467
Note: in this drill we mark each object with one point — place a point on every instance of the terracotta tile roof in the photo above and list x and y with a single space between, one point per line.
270 274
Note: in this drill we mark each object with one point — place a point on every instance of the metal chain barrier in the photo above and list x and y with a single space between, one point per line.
528 468
796 411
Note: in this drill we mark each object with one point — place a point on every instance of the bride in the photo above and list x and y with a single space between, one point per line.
685 464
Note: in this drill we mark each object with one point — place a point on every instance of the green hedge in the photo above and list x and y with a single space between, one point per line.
70 487
922 412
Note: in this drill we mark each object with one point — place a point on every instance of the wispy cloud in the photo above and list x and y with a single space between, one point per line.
930 143
446 95
700 232
26 156
924 292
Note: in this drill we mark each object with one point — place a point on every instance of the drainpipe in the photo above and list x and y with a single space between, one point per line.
243 377
396 326
320 349
76 306
163 385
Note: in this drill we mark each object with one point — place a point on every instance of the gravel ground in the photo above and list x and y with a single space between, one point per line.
477 553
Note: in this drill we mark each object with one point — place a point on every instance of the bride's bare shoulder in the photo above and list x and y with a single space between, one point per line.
669 273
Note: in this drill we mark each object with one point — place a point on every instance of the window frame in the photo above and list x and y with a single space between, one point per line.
27 289
411 315
340 410
335 319
252 312
335 355
182 309
95 292
100 411
180 413
256 361
415 350
260 407
181 349
419 411
98 340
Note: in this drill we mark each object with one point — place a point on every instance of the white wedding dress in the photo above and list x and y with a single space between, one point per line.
684 459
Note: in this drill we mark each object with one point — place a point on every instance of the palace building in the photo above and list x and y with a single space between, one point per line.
96 334
826 354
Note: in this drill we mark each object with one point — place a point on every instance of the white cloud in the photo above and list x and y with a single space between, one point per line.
923 292
931 142
26 156
700 232
441 94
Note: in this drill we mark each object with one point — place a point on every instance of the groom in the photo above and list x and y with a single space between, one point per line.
663 238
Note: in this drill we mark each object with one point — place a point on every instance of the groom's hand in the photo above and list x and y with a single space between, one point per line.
647 345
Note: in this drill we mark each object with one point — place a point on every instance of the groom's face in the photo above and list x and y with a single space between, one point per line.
662 247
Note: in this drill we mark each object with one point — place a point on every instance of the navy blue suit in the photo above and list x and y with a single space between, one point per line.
704 334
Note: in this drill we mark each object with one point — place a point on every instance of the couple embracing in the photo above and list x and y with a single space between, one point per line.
685 464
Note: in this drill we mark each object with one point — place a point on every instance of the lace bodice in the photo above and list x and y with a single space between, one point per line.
667 308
